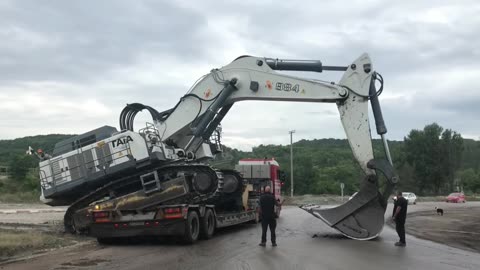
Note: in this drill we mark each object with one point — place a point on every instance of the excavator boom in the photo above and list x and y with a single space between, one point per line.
191 122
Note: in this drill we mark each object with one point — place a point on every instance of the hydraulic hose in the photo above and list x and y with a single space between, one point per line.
127 116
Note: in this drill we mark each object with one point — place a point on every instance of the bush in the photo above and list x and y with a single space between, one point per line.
20 197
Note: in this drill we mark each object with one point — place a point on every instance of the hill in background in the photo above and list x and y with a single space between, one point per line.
320 165
11 148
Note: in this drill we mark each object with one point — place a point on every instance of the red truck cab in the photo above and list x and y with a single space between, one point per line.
261 173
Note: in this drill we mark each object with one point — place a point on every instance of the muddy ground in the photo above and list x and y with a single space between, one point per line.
458 227
19 240
305 243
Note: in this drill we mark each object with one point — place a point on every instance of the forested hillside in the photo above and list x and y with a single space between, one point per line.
13 155
429 161
11 148
319 165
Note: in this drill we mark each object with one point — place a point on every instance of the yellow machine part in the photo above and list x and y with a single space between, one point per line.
248 188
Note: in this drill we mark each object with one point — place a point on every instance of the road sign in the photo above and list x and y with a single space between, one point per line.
342 186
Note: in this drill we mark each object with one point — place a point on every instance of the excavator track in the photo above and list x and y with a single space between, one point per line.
134 181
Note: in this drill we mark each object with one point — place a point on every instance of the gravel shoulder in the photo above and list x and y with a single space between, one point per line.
31 230
459 226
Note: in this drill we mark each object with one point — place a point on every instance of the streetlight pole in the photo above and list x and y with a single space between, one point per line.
291 162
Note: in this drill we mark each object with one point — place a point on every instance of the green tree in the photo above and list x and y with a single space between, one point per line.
470 180
452 149
435 156
19 166
328 179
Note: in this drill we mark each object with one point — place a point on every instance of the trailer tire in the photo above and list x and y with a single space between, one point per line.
192 228
208 224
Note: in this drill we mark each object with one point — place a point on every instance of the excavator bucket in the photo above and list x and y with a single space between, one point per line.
362 217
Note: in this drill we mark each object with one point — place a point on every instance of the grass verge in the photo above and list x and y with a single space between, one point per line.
20 197
22 242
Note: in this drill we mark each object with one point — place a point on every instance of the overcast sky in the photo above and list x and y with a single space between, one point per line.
71 66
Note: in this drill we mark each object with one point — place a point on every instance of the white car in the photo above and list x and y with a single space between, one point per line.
410 196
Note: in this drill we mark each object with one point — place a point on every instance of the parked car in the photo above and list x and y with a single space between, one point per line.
410 196
456 197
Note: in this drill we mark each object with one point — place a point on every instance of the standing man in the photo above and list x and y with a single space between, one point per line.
267 213
399 216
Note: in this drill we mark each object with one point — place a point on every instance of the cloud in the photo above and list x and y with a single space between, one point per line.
80 41
69 67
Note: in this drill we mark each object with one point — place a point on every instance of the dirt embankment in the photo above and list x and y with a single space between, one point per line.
21 240
458 227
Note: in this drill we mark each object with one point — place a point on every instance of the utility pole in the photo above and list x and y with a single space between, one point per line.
291 162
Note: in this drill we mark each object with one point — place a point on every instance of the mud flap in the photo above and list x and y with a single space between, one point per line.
362 217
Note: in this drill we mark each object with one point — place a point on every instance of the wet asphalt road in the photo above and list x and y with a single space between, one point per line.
237 248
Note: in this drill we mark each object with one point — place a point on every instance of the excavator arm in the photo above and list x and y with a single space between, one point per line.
252 78
190 123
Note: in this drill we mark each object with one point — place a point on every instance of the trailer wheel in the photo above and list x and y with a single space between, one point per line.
192 228
207 226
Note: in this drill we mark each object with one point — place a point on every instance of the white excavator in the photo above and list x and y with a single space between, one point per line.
116 179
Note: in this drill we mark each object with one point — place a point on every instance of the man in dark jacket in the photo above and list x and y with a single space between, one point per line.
267 213
399 216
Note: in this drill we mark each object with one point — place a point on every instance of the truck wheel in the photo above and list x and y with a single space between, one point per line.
207 226
192 228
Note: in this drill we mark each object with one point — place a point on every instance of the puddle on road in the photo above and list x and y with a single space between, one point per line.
329 235
83 262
